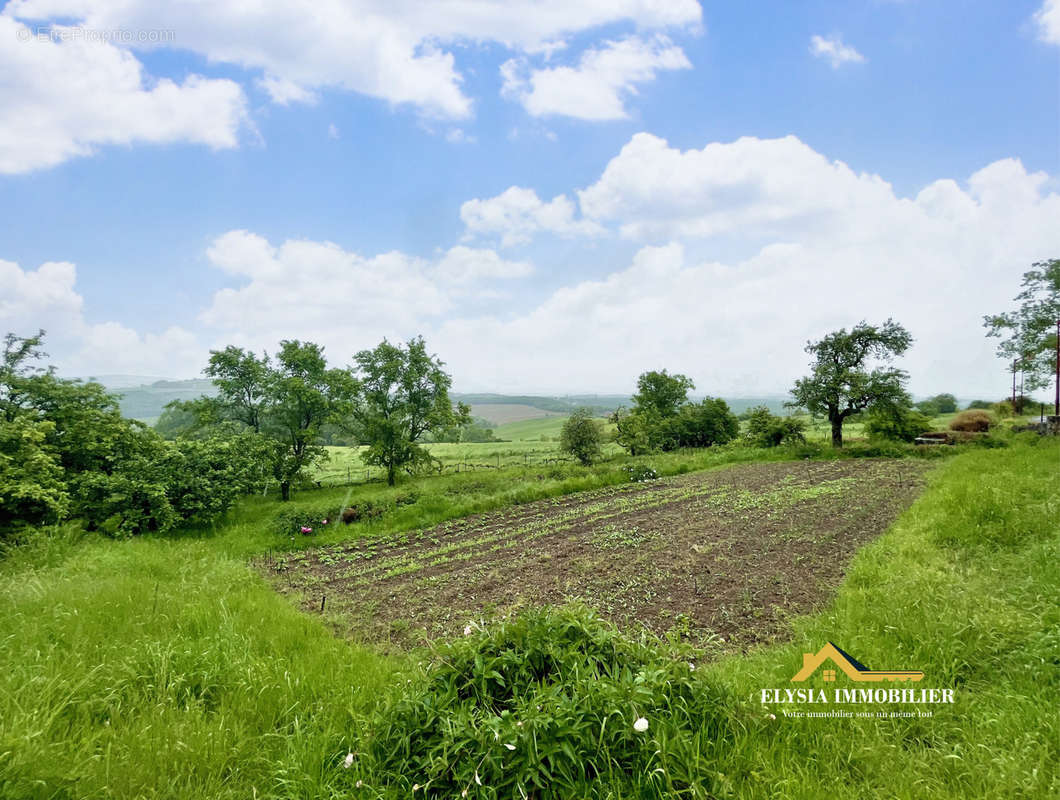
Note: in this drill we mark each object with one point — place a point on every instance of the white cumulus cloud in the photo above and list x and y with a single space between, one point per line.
47 298
834 51
823 247
517 214
388 49
598 86
1048 20
62 98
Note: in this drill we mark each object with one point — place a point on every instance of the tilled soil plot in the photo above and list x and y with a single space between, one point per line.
732 552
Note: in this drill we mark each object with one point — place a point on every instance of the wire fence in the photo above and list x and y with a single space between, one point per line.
356 475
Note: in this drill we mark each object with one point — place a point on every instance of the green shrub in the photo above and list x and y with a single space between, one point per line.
896 424
293 521
638 473
544 705
582 436
765 429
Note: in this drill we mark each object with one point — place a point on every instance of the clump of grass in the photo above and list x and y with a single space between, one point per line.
547 704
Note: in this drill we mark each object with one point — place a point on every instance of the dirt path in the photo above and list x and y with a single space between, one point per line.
732 552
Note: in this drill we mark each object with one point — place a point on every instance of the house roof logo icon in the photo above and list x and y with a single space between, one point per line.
850 667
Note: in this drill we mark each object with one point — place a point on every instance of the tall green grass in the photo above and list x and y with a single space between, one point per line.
161 669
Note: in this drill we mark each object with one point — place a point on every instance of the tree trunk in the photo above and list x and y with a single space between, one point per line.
390 475
837 431
285 490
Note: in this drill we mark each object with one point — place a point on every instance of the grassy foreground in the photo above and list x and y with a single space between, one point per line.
165 668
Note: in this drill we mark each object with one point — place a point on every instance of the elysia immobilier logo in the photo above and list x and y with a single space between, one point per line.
830 662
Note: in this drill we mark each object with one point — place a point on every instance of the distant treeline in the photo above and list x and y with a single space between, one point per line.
148 401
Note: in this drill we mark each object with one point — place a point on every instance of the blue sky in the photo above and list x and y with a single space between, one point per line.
244 182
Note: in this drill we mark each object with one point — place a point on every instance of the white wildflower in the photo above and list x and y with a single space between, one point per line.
348 761
478 780
640 725
509 746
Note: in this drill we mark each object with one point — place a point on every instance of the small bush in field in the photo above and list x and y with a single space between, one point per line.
972 421
543 705
303 521
582 436
362 511
765 429
638 473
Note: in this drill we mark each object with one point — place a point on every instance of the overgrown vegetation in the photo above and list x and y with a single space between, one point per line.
66 451
662 418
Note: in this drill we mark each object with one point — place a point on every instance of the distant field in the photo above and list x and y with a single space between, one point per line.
502 413
521 445
530 429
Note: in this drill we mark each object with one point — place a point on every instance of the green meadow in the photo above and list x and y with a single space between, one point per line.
165 667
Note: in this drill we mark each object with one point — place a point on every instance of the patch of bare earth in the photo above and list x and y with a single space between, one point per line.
733 552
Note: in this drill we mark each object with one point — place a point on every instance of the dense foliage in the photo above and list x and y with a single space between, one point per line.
582 436
66 450
662 418
402 394
766 429
544 705
288 399
939 404
896 423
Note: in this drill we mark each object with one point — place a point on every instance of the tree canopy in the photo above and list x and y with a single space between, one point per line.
581 436
842 384
1028 334
287 399
662 418
402 393
66 451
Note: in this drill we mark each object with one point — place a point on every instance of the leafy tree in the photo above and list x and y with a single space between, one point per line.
929 408
702 424
635 431
32 485
66 449
841 383
662 417
179 418
581 436
288 400
660 393
765 429
402 394
946 403
244 384
303 394
1028 335
897 423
